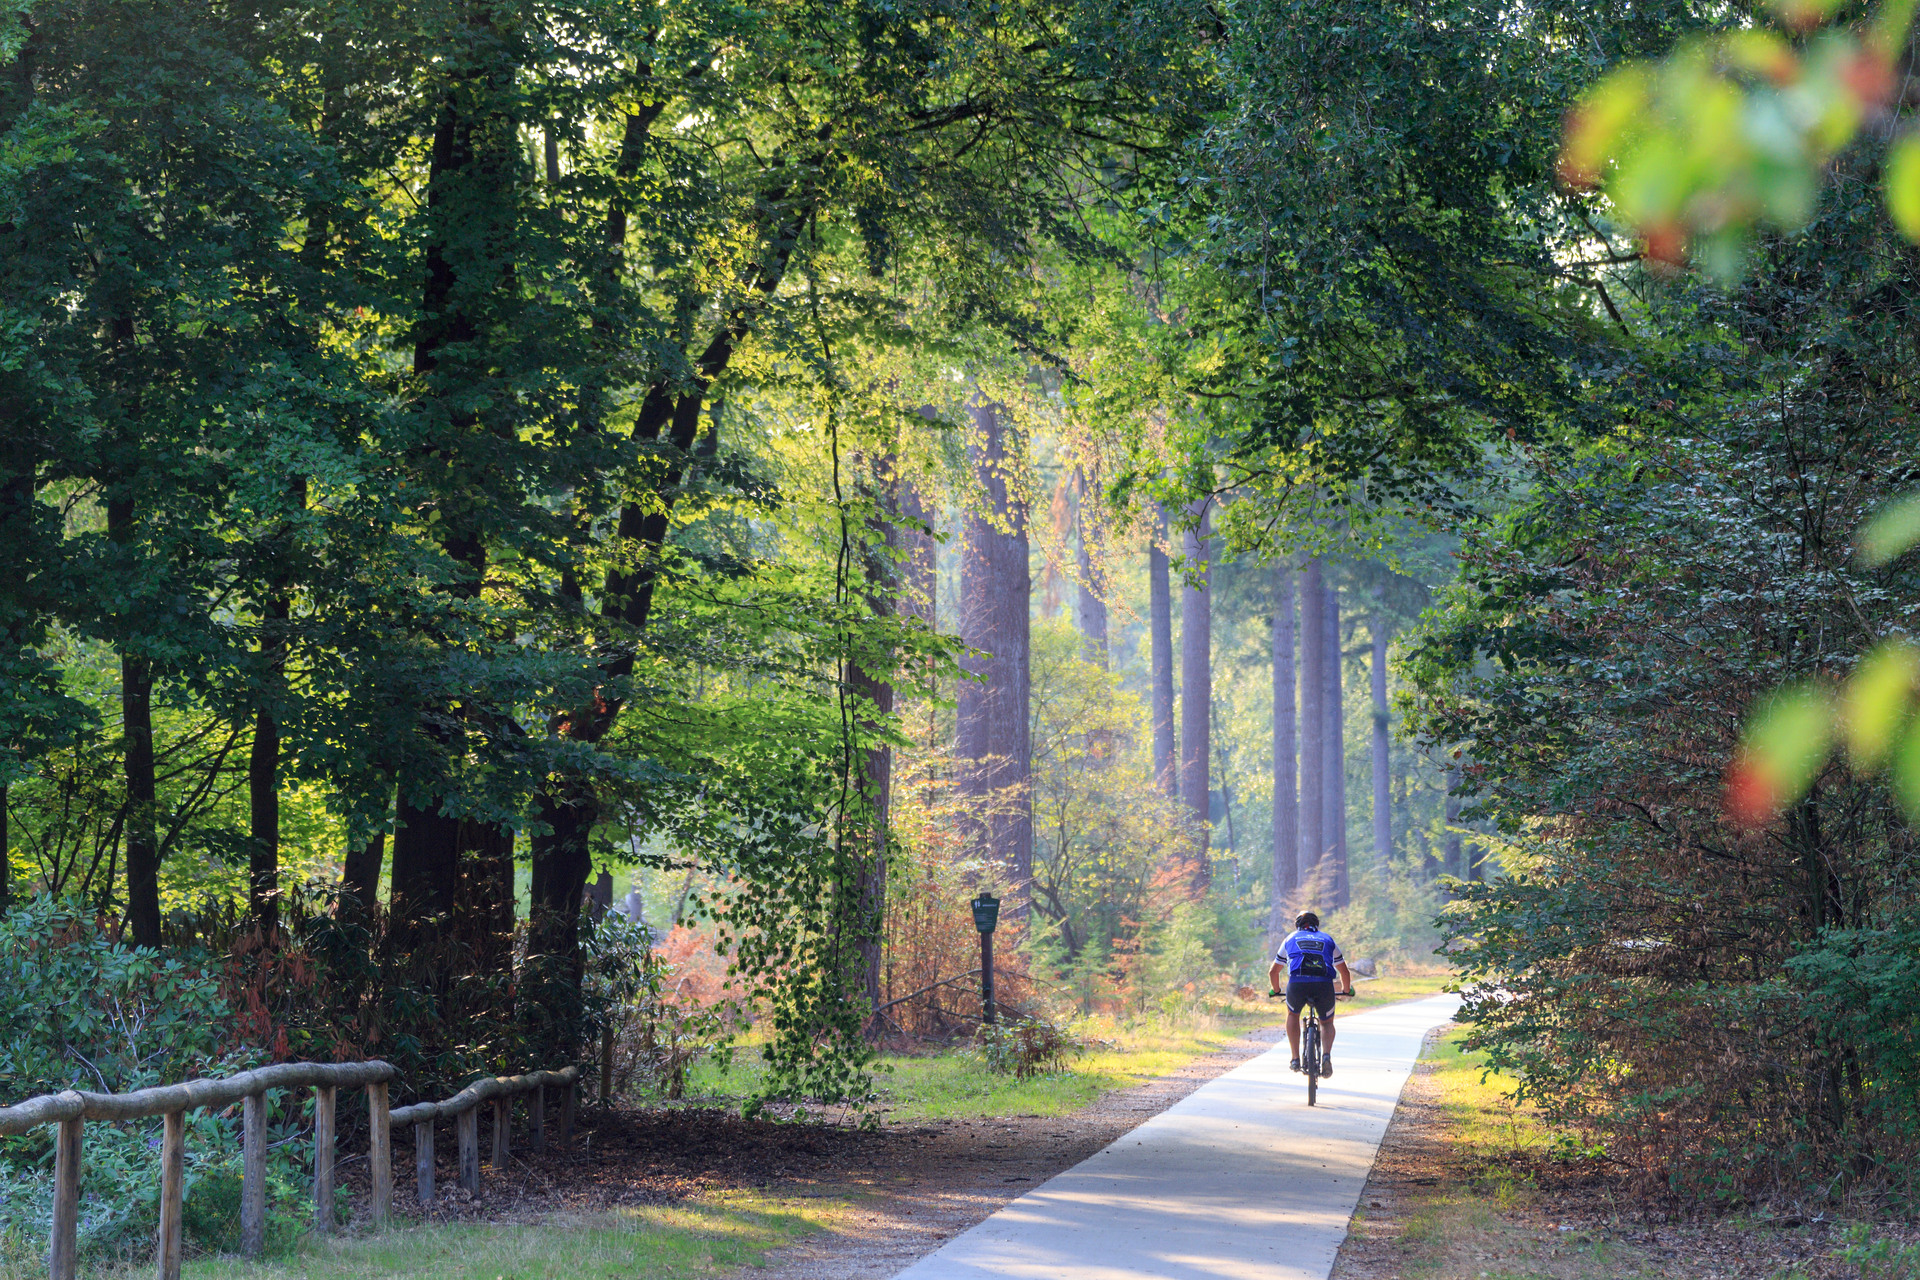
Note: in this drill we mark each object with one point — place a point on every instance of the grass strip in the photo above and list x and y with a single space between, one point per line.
714 1236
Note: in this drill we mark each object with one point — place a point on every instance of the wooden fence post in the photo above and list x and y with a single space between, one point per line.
502 1132
64 1252
380 1152
537 1117
423 1160
606 1066
173 1182
324 1097
253 1175
467 1125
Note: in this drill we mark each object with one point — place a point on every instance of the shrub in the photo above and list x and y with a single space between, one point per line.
1024 1047
79 1009
664 1015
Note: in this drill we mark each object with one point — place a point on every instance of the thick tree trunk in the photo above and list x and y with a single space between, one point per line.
360 872
1382 754
454 871
1093 587
992 716
1160 641
1196 687
1286 798
1334 820
263 847
1313 727
426 866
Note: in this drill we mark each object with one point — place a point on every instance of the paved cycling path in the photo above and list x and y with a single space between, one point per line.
1238 1181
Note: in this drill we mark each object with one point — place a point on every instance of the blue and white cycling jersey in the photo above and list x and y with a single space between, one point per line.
1309 956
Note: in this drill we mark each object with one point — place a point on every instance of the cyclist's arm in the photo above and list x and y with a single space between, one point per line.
1345 975
1273 976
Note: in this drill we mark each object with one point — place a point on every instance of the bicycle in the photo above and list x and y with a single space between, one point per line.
1310 1042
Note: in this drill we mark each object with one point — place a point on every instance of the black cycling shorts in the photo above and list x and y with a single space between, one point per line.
1300 990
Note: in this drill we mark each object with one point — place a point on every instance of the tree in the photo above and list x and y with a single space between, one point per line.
1196 688
1160 626
1286 795
991 719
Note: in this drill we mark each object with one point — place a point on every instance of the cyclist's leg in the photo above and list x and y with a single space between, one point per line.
1326 1032
1296 996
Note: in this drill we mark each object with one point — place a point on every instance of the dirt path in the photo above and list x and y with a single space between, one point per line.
911 1186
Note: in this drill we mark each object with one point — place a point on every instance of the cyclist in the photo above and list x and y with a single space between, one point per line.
1310 959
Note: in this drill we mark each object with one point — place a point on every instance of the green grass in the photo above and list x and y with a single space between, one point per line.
955 1084
711 1237
1481 1116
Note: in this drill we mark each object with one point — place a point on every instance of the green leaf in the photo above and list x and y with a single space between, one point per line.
1787 742
1895 527
1906 772
1903 185
1877 699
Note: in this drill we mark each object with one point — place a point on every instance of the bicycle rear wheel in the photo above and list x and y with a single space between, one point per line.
1310 1061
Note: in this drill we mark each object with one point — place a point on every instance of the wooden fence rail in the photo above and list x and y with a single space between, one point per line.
72 1109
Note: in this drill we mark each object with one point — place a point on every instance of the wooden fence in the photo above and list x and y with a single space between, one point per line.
72 1109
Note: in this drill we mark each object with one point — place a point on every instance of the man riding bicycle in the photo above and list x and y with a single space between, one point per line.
1310 959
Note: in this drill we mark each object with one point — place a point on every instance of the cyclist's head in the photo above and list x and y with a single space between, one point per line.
1306 920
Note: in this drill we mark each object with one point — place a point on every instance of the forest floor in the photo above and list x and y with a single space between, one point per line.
1467 1186
696 1189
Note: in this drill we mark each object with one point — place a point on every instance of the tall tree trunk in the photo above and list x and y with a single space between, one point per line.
444 866
1160 641
1313 727
263 847
992 716
1196 687
1286 798
136 719
263 770
1334 821
1093 587
1382 762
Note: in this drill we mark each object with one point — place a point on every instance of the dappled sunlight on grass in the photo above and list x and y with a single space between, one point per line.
716 1235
